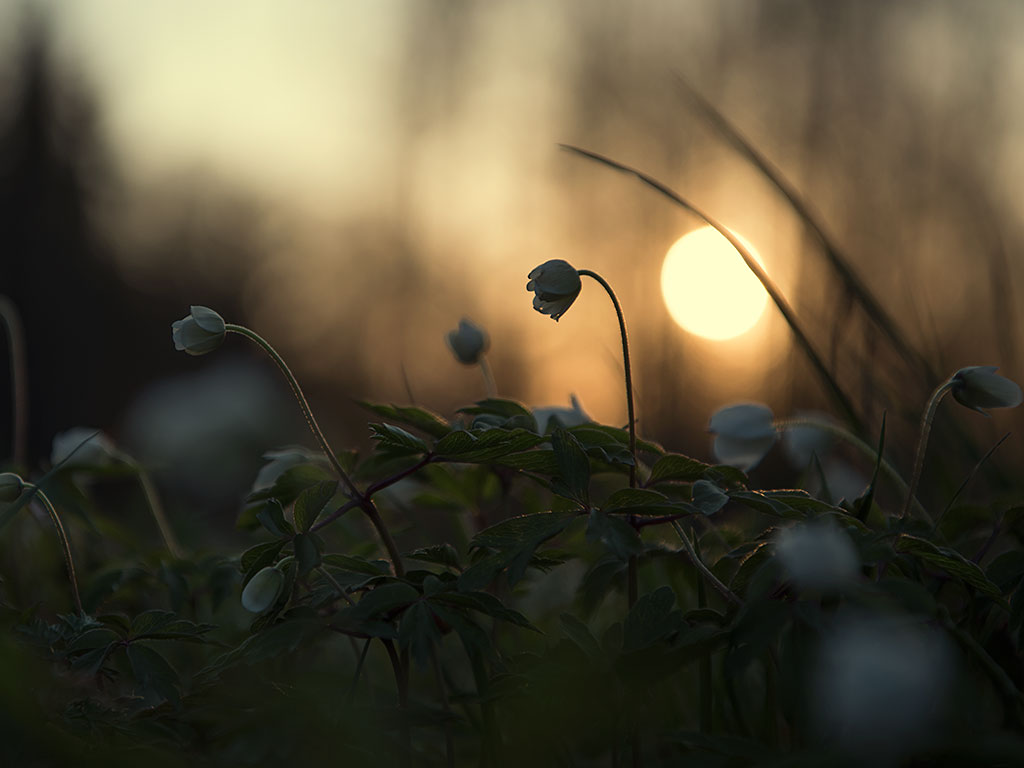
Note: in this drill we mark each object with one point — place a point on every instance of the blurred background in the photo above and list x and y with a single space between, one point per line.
351 179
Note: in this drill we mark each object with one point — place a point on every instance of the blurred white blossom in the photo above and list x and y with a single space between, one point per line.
95 450
565 417
817 555
199 332
744 433
469 342
880 686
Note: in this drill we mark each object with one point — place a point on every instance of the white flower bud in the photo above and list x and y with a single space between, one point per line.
744 433
979 386
200 332
262 590
556 284
817 556
468 342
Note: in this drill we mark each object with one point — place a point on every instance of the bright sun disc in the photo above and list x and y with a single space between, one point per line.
708 289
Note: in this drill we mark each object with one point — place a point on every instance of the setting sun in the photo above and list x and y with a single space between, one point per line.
708 289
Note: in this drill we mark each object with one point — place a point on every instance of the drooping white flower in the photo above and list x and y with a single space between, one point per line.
818 556
979 386
11 486
879 687
468 342
262 590
744 433
565 417
199 332
556 284
801 441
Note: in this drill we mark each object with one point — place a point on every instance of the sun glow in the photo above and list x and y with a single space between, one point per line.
708 289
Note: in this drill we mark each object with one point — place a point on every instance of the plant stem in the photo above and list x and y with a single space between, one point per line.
19 384
166 532
485 371
314 427
844 434
65 544
363 500
631 566
713 580
922 441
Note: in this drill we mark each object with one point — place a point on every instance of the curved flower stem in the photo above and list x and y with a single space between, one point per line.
65 545
19 380
631 568
363 501
713 580
922 441
485 372
166 532
314 427
843 434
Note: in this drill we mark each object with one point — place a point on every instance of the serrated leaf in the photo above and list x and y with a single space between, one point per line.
418 418
726 476
498 407
271 517
615 533
674 467
150 621
515 531
948 560
708 497
307 553
653 618
384 599
573 467
620 436
260 556
484 603
439 554
396 441
311 503
290 483
541 461
634 497
480 445
358 565
789 504
153 672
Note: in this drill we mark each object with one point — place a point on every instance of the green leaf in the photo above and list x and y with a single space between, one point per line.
789 504
480 445
358 565
1007 570
507 409
674 467
418 418
149 622
518 538
439 554
580 634
384 599
708 497
311 503
396 441
418 632
307 553
541 461
271 517
153 673
948 560
260 556
618 435
634 497
615 533
653 618
484 603
573 467
290 483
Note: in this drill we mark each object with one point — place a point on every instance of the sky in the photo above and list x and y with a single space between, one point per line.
404 164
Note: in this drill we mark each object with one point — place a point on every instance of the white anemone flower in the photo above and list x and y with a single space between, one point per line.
880 687
979 386
199 332
469 342
556 284
744 433
817 556
566 417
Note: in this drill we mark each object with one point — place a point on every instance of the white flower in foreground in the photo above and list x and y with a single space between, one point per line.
979 387
817 555
556 284
468 342
744 433
200 332
262 590
880 686
801 441
86 448
566 417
